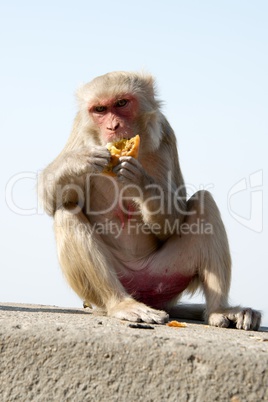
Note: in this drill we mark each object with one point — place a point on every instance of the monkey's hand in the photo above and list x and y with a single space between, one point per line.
130 171
92 160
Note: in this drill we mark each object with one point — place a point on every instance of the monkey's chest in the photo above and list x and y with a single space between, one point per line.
155 290
107 201
116 218
119 223
119 219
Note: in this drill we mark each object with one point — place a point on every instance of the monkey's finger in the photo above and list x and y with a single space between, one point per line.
152 316
247 319
100 162
121 167
132 161
141 313
127 166
123 173
256 320
100 151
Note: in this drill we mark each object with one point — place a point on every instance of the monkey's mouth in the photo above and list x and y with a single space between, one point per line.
115 137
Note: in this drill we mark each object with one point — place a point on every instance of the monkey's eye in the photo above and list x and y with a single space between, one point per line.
100 109
121 102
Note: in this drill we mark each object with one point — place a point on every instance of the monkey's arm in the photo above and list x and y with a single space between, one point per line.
63 181
161 199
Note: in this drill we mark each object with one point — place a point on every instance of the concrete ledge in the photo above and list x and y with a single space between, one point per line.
55 354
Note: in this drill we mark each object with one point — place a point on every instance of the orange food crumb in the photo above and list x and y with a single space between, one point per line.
177 324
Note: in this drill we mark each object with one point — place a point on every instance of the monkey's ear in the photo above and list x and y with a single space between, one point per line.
82 94
151 84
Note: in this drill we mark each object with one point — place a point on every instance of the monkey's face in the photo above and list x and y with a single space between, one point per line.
115 117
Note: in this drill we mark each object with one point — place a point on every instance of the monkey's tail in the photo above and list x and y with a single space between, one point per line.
195 312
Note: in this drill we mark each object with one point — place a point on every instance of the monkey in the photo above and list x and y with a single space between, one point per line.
131 244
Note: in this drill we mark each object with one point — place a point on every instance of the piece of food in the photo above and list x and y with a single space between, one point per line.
124 147
177 324
86 304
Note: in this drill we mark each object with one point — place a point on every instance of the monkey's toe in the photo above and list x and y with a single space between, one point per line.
237 317
218 320
130 310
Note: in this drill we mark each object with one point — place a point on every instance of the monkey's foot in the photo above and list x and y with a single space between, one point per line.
241 318
132 310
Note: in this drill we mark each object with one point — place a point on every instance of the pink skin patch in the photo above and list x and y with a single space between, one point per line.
114 119
155 290
131 209
121 216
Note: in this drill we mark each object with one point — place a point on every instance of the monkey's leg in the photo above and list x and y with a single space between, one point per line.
89 268
215 267
202 252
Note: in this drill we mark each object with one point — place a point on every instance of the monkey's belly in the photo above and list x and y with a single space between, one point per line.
155 290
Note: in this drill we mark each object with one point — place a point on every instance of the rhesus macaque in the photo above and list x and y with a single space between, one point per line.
131 243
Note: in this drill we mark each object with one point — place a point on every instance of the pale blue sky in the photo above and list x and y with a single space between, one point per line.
210 60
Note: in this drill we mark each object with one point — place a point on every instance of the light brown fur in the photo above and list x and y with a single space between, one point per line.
75 193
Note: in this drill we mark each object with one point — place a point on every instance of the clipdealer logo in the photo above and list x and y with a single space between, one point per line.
252 189
248 190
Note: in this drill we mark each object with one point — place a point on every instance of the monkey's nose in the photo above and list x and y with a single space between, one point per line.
113 127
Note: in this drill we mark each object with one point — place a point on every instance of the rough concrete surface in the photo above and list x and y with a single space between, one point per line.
56 354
